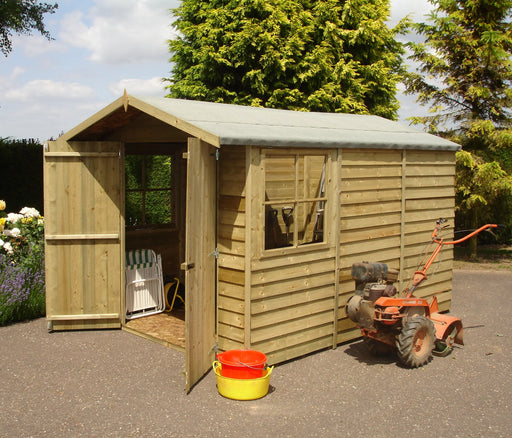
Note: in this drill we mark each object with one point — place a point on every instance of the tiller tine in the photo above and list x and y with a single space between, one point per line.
449 331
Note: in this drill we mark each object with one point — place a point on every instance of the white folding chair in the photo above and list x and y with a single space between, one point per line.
144 283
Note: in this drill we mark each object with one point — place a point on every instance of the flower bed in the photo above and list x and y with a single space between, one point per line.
22 292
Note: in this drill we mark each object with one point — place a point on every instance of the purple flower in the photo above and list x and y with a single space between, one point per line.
17 283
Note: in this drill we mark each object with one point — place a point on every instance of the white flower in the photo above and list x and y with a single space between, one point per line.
8 247
29 212
15 232
13 217
1 243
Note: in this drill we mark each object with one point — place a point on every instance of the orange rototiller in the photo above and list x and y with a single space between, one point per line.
411 325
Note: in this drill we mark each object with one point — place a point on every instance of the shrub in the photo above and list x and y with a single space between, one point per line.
22 289
26 154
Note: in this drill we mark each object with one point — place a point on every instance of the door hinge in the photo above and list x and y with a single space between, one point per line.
215 253
215 348
217 154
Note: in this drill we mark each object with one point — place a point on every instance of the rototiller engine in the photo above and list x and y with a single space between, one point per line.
391 320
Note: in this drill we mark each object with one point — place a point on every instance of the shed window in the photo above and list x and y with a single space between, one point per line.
150 199
294 199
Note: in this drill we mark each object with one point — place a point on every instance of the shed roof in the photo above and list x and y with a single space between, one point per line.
226 124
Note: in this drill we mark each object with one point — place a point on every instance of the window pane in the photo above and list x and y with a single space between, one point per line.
279 223
280 178
133 209
311 169
149 196
158 172
310 222
292 217
133 171
158 207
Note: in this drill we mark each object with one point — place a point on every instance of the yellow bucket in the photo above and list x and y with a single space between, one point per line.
242 389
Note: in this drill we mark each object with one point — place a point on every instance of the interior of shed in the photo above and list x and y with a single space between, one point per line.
155 201
295 198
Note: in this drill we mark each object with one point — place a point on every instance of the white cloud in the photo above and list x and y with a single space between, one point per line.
121 31
17 71
36 46
417 9
73 29
139 87
8 82
45 118
48 89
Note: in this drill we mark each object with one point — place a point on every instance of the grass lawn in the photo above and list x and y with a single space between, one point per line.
494 257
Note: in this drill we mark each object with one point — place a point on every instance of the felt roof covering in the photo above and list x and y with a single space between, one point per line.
226 124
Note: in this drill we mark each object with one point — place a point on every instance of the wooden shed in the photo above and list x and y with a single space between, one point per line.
264 212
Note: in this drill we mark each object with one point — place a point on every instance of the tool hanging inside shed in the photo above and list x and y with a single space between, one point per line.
318 230
287 213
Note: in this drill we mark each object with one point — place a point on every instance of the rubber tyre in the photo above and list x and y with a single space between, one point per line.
416 342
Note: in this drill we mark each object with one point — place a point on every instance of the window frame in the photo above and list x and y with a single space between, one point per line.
296 247
148 152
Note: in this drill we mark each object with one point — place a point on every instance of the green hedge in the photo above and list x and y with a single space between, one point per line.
21 170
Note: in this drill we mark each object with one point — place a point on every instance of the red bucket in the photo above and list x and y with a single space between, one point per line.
242 364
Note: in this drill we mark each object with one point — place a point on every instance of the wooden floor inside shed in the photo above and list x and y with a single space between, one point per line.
165 328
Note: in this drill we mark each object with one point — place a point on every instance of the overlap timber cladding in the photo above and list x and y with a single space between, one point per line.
286 305
231 244
390 201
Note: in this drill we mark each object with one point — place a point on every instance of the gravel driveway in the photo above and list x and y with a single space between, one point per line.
112 383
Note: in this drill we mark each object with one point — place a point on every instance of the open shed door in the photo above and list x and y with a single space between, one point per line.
200 262
83 223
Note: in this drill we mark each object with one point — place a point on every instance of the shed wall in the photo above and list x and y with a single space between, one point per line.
292 290
288 303
429 195
231 245
292 304
390 201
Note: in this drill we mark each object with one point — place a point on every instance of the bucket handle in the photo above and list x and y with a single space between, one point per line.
249 366
253 368
217 365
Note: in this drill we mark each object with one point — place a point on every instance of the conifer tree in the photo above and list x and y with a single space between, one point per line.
312 55
465 77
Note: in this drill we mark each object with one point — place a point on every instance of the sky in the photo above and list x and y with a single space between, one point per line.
100 48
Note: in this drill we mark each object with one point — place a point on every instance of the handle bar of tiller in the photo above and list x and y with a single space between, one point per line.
420 276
